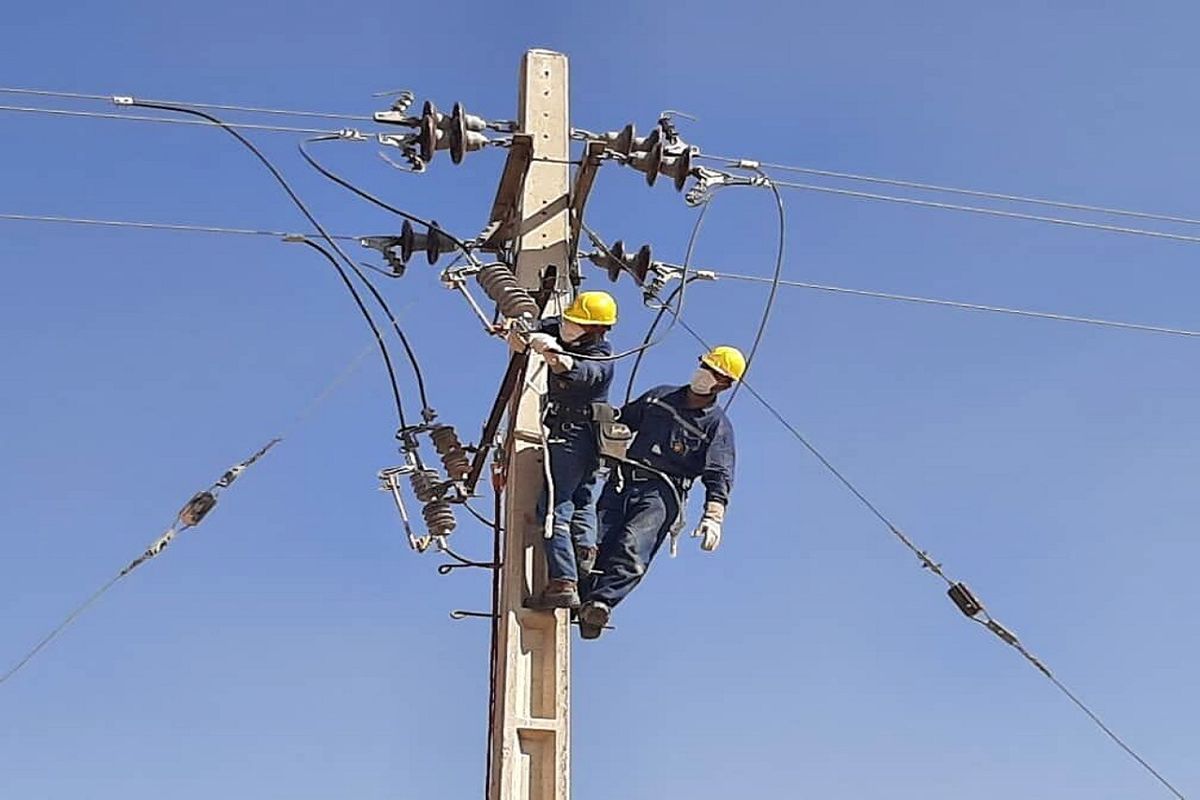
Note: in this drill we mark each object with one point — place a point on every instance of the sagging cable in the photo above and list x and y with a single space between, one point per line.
295 198
959 593
190 515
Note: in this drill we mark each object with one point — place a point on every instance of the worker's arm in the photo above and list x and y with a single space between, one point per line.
633 411
718 481
579 371
718 465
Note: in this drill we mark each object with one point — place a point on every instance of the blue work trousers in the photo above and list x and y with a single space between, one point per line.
574 464
634 523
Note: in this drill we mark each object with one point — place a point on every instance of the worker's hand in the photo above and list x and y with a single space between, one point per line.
542 343
516 340
558 360
709 529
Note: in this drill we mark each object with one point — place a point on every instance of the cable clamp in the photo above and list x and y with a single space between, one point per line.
122 100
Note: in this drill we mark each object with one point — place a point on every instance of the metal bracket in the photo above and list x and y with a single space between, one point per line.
505 208
585 176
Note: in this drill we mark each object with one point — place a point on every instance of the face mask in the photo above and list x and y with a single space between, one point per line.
571 331
703 382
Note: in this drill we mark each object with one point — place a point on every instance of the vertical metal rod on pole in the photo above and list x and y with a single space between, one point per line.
530 757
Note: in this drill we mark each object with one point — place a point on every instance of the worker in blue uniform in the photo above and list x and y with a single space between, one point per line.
574 348
681 434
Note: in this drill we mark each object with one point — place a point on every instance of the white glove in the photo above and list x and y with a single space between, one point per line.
543 342
558 360
709 529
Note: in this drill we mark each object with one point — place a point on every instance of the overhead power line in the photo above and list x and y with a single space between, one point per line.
933 187
195 510
1019 312
905 298
981 615
192 514
163 226
61 112
214 106
308 215
992 212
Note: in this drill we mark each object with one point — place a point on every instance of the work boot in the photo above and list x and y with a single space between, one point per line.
585 560
592 619
557 594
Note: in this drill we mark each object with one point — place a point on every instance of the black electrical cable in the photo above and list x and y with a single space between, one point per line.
982 616
478 515
681 290
387 358
312 220
493 660
766 315
365 195
408 350
662 309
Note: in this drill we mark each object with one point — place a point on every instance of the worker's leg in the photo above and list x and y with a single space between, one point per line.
571 461
633 532
584 521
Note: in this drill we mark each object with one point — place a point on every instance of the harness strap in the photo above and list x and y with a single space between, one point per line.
686 424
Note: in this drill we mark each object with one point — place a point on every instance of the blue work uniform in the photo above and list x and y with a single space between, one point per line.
574 456
637 509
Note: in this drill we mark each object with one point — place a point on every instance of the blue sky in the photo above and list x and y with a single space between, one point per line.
293 647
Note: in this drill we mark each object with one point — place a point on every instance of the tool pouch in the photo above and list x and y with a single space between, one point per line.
613 436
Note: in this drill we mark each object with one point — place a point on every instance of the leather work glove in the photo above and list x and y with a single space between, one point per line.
558 360
709 529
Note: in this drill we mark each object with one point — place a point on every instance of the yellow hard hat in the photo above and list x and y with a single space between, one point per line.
592 308
726 360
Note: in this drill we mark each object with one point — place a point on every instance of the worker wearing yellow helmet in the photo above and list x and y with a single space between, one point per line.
575 350
681 434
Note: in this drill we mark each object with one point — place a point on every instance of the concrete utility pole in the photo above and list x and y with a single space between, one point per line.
530 757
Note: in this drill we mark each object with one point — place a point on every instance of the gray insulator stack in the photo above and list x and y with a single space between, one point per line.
501 285
439 518
453 454
425 485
